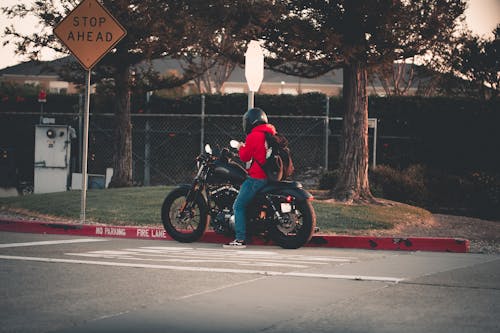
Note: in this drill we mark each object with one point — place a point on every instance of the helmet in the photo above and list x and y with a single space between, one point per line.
252 118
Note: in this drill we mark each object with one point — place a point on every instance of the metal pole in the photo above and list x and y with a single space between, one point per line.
251 96
85 149
80 130
41 113
327 131
202 135
147 145
375 144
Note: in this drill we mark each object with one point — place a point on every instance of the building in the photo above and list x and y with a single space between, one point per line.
41 74
44 75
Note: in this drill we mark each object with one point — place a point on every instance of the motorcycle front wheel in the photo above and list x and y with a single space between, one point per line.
186 222
295 227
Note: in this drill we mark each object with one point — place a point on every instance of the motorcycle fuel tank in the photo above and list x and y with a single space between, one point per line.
227 173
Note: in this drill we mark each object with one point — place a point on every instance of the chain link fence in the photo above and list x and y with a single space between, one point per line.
164 146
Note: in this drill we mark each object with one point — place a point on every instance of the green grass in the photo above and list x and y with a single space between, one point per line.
341 218
142 205
124 206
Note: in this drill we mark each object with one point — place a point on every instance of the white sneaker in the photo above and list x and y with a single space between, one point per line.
236 244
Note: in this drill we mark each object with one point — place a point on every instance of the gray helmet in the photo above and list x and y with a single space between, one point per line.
252 118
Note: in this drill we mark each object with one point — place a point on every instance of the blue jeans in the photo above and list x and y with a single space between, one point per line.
248 190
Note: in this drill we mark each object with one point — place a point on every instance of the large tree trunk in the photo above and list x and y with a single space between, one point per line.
122 136
352 185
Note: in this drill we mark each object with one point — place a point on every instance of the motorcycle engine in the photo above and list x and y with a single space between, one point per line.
224 197
222 200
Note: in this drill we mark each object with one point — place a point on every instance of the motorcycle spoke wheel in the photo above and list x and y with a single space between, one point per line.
296 228
185 223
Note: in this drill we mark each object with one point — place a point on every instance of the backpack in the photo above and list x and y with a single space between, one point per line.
278 165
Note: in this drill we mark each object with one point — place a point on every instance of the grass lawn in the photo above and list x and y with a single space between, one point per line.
142 205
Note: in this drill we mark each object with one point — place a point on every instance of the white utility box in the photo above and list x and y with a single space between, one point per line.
52 158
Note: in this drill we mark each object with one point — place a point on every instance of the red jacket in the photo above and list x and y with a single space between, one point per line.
254 149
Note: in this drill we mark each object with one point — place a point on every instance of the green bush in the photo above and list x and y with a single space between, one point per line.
485 194
328 179
474 194
407 186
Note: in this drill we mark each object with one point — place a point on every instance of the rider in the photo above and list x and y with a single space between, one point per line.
255 125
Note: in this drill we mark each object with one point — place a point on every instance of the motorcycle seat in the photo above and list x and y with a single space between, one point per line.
280 184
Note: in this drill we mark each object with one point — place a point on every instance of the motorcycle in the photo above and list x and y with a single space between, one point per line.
281 211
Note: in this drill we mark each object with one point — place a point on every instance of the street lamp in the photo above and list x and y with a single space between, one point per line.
254 69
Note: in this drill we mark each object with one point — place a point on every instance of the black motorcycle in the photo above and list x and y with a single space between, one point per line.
281 211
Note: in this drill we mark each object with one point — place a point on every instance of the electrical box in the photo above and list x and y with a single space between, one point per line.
52 158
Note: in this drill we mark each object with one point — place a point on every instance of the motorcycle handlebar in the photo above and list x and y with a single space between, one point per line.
225 154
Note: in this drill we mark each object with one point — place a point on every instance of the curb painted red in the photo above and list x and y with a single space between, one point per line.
152 233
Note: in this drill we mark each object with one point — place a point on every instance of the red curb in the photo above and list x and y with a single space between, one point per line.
334 241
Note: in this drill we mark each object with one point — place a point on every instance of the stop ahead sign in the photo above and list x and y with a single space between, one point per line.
89 32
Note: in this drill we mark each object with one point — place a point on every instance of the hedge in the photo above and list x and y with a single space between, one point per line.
456 134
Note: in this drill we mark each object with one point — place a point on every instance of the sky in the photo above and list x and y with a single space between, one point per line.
482 16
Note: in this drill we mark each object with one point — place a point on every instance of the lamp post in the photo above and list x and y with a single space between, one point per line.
254 69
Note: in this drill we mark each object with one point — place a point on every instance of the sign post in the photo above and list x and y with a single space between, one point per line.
254 69
42 99
89 32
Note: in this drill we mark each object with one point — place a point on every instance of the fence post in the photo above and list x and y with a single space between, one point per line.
202 136
327 131
147 144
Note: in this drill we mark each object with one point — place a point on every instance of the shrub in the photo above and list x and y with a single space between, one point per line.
475 194
328 180
407 186
485 195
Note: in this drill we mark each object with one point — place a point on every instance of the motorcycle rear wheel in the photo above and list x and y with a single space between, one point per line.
188 225
299 229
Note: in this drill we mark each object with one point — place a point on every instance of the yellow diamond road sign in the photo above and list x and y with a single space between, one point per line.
89 32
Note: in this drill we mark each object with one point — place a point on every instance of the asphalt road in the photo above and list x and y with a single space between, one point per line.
72 284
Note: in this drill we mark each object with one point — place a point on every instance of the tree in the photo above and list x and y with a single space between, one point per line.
228 27
313 37
155 28
215 74
470 66
478 60
395 78
216 68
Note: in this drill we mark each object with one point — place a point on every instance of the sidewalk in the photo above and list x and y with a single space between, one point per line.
438 244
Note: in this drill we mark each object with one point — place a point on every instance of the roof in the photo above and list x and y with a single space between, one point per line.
238 74
49 68
333 77
36 68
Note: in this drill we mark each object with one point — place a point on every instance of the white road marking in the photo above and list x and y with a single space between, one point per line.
245 253
55 242
207 269
203 256
186 260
